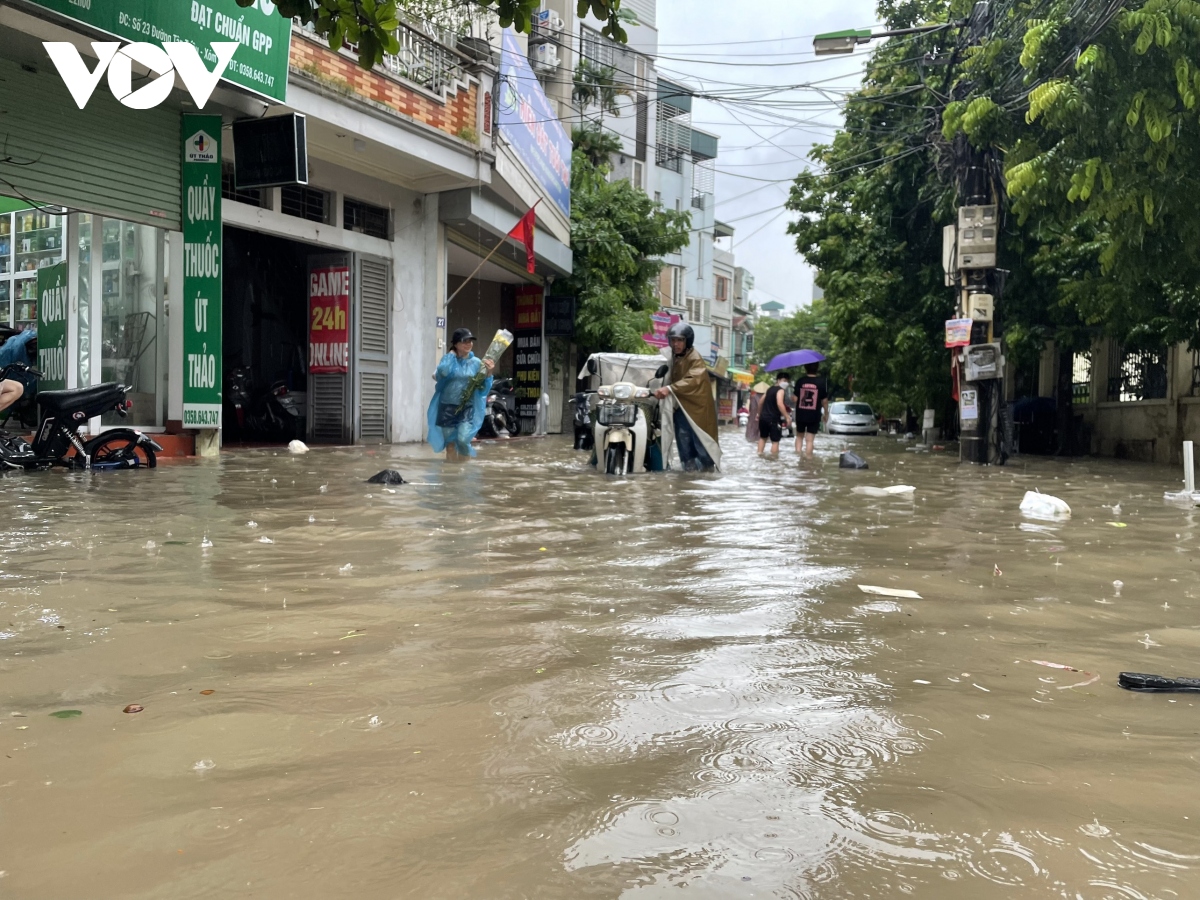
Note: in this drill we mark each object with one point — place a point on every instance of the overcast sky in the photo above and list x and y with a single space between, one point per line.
700 39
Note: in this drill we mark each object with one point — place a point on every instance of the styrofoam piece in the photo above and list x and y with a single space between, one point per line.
1189 499
898 593
893 490
1044 506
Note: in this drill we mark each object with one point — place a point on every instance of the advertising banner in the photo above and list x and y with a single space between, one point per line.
201 161
531 126
329 320
660 323
528 339
260 63
52 327
958 332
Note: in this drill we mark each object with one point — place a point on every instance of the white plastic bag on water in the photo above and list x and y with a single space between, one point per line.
1044 506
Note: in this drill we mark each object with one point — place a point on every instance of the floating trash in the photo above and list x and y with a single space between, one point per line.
1044 506
265 540
206 544
251 524
204 765
133 708
345 570
67 714
297 447
898 593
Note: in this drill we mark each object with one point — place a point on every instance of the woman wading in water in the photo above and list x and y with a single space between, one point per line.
456 410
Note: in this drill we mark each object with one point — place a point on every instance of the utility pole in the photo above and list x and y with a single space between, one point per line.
979 284
969 257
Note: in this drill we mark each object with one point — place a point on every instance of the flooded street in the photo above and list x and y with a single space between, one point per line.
517 678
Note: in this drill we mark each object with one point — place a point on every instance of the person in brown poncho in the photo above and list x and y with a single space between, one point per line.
689 408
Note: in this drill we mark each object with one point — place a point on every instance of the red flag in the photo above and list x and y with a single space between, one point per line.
523 232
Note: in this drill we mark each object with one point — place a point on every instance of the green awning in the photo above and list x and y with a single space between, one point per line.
11 204
675 96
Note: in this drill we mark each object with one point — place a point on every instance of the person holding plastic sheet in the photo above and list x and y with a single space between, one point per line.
454 419
689 408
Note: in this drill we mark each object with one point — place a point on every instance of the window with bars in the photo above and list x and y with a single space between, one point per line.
365 218
1136 374
674 138
596 48
304 203
230 191
722 286
1081 378
702 182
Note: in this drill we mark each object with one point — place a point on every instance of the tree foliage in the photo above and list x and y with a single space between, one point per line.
618 236
1085 116
372 24
805 329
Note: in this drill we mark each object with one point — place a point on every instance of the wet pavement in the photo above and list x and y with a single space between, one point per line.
516 678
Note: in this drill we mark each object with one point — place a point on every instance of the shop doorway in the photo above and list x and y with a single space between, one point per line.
265 333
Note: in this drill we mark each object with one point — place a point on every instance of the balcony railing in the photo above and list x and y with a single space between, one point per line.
421 61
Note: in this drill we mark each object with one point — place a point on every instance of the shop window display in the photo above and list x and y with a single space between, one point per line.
30 239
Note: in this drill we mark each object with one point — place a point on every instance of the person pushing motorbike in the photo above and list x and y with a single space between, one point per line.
692 420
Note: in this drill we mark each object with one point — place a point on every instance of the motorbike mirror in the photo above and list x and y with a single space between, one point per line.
662 371
592 367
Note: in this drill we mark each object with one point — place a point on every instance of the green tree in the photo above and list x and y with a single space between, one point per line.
597 86
372 24
618 236
805 329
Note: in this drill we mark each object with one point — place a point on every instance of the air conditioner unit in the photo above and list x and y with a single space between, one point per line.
545 57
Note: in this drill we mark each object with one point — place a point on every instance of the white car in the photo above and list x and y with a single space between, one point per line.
852 418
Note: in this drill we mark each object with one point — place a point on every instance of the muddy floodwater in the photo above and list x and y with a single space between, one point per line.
516 678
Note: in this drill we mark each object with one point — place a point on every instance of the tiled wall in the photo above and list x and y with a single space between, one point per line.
458 112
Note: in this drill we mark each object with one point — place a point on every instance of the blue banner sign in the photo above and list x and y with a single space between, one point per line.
530 125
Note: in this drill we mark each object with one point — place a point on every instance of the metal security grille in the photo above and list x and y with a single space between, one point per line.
1136 374
1081 378
642 107
230 190
703 176
372 406
374 303
365 218
304 203
372 363
328 408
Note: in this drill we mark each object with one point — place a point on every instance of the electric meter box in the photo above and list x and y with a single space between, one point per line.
978 237
983 362
979 307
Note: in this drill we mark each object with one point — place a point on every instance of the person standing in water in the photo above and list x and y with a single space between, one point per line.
692 406
453 419
812 405
773 415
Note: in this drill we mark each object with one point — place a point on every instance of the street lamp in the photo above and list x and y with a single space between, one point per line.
832 43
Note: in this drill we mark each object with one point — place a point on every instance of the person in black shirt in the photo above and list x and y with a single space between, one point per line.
812 405
773 414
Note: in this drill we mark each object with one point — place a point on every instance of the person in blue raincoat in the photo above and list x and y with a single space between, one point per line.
451 428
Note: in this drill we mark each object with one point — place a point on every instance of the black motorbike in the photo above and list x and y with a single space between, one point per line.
500 411
60 416
581 407
274 414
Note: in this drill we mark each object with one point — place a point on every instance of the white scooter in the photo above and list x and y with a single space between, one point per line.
622 429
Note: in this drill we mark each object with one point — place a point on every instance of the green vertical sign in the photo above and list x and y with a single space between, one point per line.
52 327
201 271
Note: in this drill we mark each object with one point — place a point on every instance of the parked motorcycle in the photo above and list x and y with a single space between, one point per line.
581 406
24 411
626 436
500 411
57 442
275 414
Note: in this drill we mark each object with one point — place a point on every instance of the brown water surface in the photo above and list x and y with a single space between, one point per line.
516 678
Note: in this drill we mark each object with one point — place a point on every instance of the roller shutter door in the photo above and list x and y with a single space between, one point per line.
104 159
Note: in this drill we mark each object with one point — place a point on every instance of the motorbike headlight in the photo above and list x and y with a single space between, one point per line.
623 391
642 392
605 390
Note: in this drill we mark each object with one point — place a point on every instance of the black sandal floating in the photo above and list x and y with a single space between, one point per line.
1134 681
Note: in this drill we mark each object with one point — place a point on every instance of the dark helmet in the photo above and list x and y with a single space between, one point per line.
460 335
682 330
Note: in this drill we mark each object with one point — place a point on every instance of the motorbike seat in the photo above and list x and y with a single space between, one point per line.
92 400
